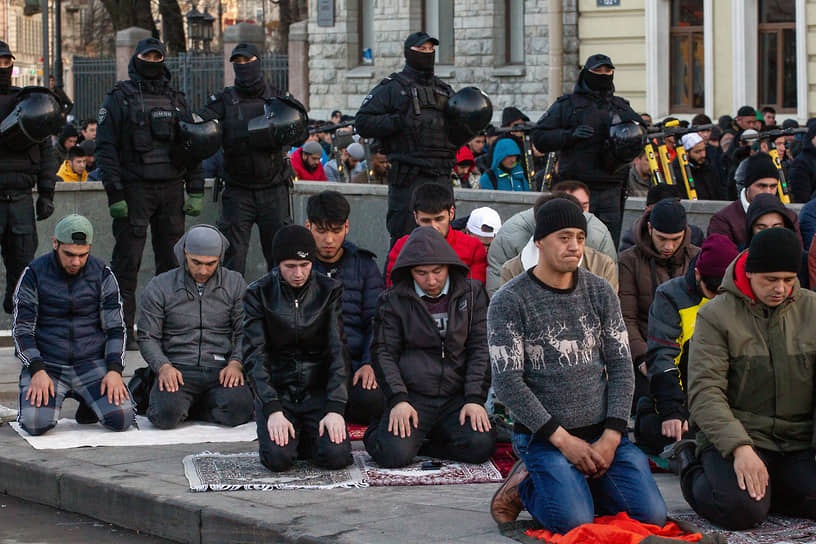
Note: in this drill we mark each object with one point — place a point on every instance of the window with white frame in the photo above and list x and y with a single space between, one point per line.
437 17
514 31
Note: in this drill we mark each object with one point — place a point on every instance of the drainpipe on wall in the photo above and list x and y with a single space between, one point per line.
556 57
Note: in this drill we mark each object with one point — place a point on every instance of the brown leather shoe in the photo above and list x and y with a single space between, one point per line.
506 504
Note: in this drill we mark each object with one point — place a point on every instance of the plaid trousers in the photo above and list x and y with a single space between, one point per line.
81 380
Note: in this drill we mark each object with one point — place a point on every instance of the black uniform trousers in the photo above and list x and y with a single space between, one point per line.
18 239
157 204
439 435
606 203
402 182
305 417
202 398
711 489
364 405
267 207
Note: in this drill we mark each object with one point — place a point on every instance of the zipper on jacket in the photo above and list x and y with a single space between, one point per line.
298 364
200 326
70 318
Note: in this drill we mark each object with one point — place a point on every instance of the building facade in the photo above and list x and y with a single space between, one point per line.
672 57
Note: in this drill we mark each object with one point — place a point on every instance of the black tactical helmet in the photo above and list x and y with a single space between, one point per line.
468 113
626 139
284 123
35 117
197 141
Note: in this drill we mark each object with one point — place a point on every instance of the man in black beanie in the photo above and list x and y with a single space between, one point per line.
567 378
761 176
751 392
295 358
405 113
662 251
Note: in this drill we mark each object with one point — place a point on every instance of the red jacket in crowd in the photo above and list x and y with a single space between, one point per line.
467 247
300 169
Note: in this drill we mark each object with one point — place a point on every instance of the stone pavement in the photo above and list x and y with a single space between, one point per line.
144 488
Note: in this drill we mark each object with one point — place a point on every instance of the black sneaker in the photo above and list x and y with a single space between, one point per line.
131 344
84 414
680 455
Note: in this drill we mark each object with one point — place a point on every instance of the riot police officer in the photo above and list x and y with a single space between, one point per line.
406 114
257 173
136 133
577 125
23 164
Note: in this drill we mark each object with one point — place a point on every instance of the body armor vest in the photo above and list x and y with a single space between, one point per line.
18 169
245 166
148 133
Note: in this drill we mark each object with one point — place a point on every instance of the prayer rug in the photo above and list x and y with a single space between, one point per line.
70 434
775 530
356 431
231 472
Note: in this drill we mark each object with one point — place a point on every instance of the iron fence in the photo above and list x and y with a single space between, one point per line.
198 76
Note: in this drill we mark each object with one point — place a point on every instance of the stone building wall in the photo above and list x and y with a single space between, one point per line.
339 80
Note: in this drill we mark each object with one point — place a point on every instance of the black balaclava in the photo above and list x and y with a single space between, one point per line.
248 75
149 70
598 82
5 78
422 62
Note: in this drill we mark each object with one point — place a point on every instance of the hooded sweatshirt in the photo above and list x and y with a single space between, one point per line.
465 154
501 178
763 205
66 173
409 353
468 248
177 325
641 271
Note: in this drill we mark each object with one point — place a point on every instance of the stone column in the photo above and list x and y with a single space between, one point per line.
240 33
299 61
126 41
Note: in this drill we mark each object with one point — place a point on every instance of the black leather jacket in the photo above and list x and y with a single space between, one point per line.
294 342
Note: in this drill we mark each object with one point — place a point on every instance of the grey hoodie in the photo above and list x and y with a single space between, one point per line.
180 327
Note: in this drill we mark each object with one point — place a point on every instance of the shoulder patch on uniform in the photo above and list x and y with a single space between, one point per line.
103 114
367 98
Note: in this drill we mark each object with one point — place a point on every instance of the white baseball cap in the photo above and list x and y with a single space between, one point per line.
690 140
484 222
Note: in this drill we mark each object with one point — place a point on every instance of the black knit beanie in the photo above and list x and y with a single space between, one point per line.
293 242
759 166
668 216
774 250
557 214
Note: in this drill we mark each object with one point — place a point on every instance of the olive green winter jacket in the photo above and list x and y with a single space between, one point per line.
751 369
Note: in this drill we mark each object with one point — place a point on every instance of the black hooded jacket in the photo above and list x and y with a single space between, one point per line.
763 204
408 353
119 140
582 159
293 342
802 173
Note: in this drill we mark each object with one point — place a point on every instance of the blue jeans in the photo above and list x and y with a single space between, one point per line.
561 498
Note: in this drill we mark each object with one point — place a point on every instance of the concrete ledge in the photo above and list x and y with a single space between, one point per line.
361 72
511 70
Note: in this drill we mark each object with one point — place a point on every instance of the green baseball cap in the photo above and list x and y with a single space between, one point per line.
74 229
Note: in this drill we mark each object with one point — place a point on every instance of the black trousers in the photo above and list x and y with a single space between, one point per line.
648 428
710 487
364 405
240 209
308 444
202 398
606 202
157 205
402 182
439 424
18 239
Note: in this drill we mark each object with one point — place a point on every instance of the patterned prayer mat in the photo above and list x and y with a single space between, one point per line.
232 472
775 530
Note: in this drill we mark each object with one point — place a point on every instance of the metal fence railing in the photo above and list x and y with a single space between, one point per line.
198 76
92 79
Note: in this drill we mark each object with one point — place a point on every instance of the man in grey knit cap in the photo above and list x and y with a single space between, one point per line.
561 363
189 333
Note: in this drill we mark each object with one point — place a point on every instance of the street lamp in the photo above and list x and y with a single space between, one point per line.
194 20
207 21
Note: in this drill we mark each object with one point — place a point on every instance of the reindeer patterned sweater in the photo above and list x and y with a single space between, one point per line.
561 357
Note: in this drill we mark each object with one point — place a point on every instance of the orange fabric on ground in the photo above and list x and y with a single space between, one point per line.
620 529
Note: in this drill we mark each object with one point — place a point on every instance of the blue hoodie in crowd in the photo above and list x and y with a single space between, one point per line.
512 180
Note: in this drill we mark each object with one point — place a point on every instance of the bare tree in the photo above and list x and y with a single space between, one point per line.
291 11
172 26
127 13
96 31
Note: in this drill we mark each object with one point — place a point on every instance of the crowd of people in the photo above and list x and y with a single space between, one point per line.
551 328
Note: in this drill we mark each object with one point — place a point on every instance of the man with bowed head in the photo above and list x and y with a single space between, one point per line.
296 359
